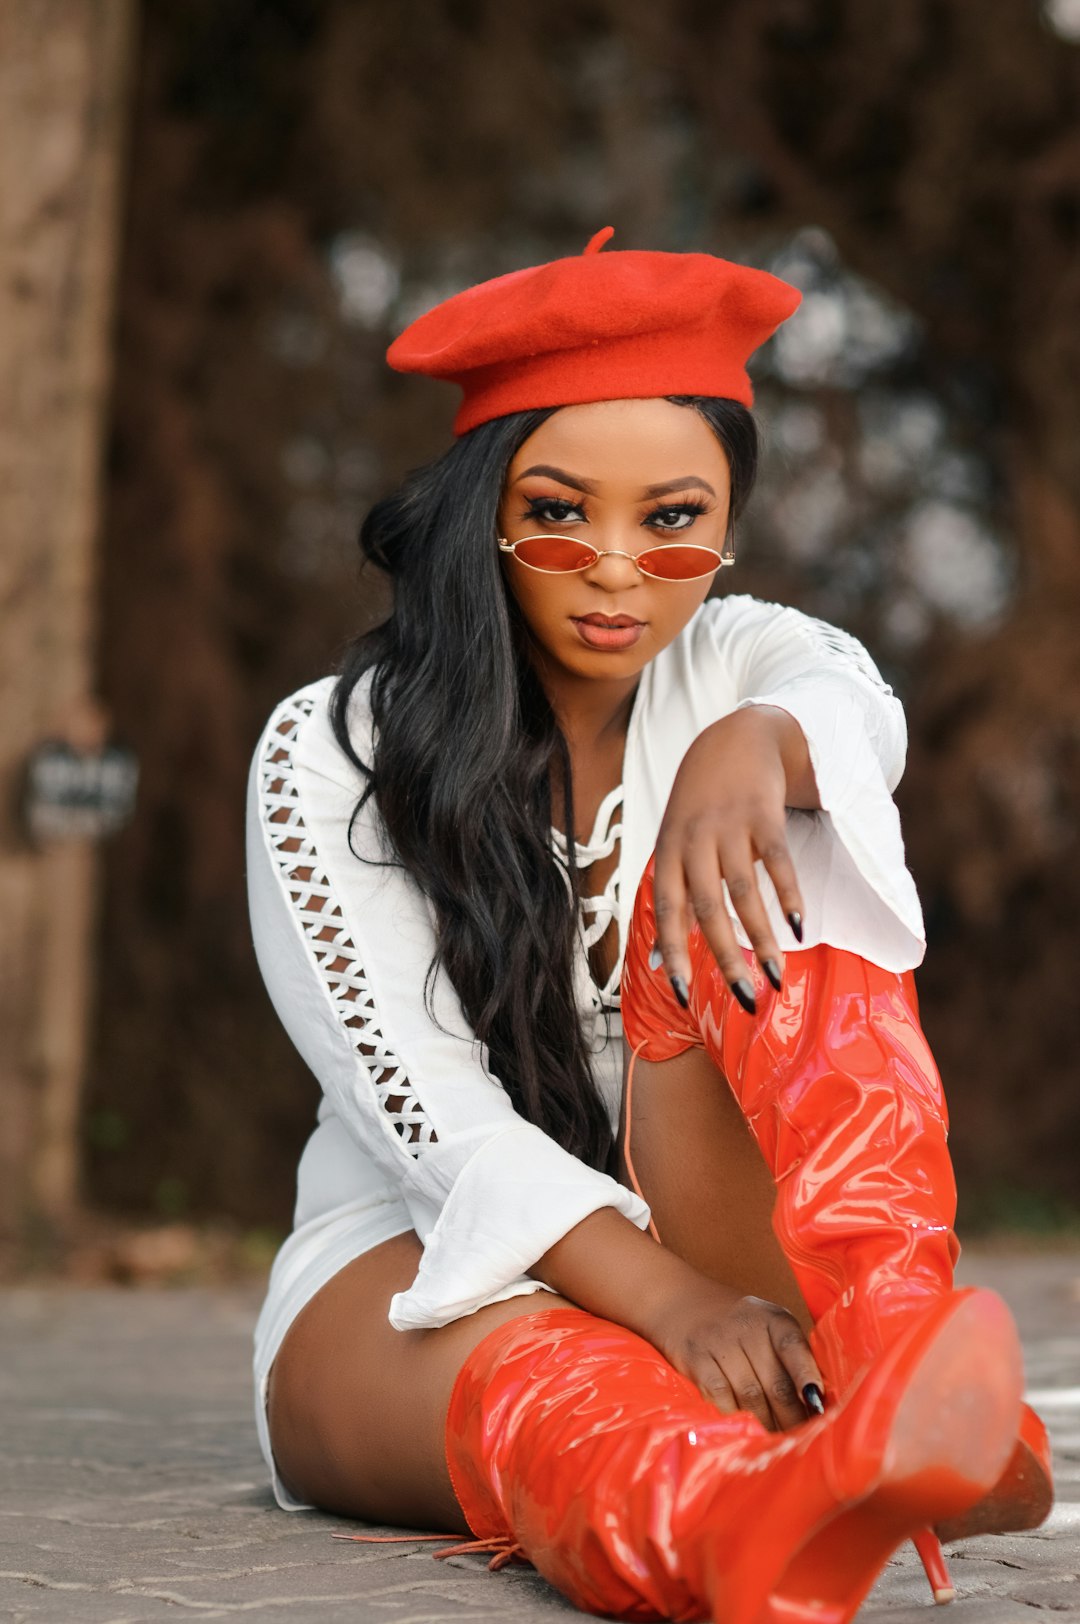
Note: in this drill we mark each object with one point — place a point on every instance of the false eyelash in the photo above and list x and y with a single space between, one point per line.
696 508
534 504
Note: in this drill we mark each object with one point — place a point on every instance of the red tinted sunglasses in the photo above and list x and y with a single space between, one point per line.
562 555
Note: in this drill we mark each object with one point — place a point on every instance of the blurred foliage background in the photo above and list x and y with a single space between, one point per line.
301 178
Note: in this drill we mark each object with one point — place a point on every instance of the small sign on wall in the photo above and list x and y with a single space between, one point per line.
78 794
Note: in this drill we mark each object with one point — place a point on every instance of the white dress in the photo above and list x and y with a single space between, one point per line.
413 1133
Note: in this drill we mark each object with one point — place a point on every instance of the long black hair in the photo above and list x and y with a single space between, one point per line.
464 743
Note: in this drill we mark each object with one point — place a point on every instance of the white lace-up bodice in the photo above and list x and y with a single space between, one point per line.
597 912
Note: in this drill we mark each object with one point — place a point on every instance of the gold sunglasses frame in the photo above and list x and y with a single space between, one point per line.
722 559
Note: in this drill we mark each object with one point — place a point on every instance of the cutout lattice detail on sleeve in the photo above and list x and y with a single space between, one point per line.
833 640
335 955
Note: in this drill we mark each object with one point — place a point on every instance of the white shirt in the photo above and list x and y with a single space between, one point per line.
411 1123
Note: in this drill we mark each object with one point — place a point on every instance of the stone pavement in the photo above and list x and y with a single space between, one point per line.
132 1486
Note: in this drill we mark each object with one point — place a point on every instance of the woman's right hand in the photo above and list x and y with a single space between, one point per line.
746 1354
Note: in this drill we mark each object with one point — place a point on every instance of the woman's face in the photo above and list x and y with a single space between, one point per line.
621 474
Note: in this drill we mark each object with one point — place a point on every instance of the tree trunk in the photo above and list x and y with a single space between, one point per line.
63 82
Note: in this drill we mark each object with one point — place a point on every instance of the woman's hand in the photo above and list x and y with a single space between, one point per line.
747 1355
743 1353
727 808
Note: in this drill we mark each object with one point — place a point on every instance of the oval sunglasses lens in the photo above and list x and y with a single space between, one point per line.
678 563
554 553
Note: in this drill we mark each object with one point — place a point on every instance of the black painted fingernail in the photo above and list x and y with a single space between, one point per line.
795 921
744 992
814 1398
681 991
656 958
772 970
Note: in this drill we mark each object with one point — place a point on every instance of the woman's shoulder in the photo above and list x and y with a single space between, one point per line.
737 647
301 727
739 626
716 633
736 610
721 618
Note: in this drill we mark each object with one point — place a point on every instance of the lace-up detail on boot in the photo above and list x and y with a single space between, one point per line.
502 1550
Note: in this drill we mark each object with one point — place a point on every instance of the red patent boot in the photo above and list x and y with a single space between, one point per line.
576 1444
838 1085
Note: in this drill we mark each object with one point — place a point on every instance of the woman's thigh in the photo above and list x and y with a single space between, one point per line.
357 1410
700 1170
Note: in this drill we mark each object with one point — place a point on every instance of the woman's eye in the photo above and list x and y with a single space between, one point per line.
675 518
551 510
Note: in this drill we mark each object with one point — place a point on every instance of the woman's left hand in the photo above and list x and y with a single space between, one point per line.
727 808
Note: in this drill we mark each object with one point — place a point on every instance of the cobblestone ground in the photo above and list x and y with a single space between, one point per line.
133 1488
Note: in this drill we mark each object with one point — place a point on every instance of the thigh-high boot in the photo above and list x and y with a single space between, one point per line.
574 1443
839 1087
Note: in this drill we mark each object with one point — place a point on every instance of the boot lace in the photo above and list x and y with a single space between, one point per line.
503 1549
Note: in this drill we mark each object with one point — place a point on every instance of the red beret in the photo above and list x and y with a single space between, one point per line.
598 327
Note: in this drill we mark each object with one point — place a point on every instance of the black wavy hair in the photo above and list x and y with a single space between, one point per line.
464 743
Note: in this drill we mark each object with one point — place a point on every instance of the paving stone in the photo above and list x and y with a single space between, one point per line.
133 1490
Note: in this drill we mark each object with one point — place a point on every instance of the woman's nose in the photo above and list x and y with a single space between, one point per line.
615 566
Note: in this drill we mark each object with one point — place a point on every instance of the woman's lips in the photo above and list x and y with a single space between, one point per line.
599 632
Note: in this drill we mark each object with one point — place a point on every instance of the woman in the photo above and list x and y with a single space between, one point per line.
468 1328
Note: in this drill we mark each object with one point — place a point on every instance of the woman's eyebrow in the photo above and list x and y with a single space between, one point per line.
679 485
561 475
577 483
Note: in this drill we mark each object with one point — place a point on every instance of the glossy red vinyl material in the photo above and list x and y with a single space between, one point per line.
575 1442
841 1091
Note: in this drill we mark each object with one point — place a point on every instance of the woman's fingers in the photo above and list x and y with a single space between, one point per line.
689 878
712 1384
735 859
799 1366
772 1366
731 790
738 1377
673 920
707 865
705 888
770 842
687 889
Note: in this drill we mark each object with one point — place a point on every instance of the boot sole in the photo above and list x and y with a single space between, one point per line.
1023 1496
945 1444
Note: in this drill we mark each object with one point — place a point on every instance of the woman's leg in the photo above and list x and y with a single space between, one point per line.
575 1443
572 1440
357 1410
838 1086
711 1194
837 1083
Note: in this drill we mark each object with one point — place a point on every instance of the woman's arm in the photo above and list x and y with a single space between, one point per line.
814 728
344 948
800 784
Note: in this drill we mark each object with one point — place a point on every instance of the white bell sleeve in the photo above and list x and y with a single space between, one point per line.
344 948
849 856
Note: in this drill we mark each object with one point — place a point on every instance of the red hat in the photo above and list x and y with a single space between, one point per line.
624 325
